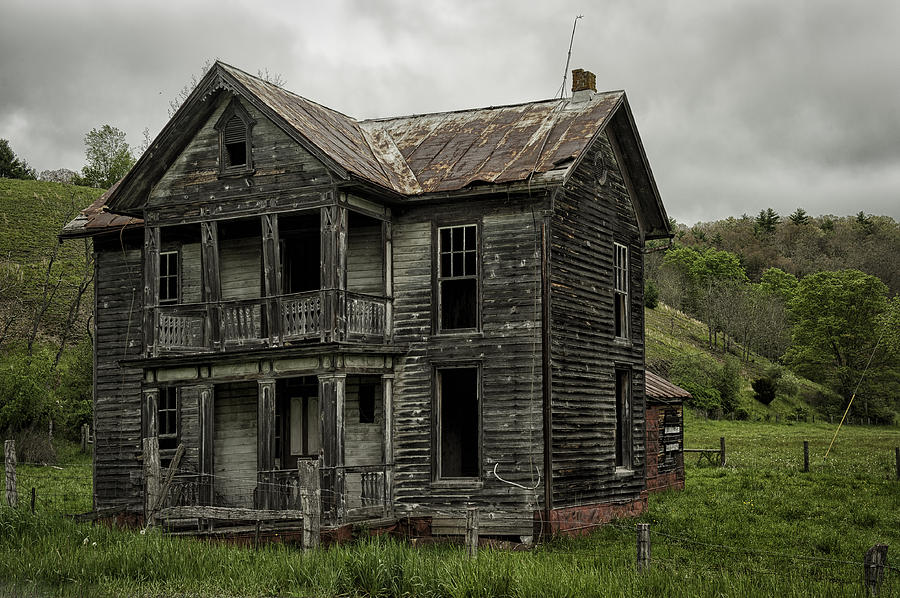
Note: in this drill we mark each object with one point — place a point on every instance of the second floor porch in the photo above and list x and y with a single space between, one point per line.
315 275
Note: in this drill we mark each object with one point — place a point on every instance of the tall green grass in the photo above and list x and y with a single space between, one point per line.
757 527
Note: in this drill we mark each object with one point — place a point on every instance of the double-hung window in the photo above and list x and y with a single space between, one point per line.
168 277
458 278
167 418
620 290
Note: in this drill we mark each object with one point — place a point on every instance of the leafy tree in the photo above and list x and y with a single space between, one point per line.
779 283
799 217
843 322
108 158
12 167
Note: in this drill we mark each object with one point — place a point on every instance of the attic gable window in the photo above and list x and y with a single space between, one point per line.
235 140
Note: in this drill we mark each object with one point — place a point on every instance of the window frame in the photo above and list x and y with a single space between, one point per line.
621 291
168 276
168 401
440 278
437 436
235 110
624 423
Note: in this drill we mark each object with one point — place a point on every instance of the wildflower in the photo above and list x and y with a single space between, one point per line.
86 540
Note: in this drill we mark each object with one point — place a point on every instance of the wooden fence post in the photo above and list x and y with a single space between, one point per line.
310 501
84 438
33 497
806 455
722 451
873 572
643 546
9 452
151 475
472 532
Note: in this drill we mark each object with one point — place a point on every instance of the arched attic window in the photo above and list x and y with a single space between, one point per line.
235 147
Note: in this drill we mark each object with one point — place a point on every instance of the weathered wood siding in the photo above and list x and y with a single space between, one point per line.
286 176
365 258
235 443
191 274
587 219
189 426
117 390
507 349
240 265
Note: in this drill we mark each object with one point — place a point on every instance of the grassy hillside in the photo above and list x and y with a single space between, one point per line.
32 213
677 348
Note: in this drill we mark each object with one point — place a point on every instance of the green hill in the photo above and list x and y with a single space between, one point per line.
32 213
677 348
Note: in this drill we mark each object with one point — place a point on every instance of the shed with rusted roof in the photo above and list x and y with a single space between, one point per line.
665 433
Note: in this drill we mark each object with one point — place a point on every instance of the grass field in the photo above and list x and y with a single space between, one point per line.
758 527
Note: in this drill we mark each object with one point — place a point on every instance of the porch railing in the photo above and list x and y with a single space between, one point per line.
269 321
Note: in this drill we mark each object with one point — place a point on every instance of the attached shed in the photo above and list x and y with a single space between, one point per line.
665 433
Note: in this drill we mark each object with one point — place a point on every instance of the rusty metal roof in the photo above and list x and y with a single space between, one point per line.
444 151
96 218
539 142
660 389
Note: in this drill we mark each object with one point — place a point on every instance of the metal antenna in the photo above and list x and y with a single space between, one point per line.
562 88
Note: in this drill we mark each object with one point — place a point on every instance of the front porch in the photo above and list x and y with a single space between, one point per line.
269 450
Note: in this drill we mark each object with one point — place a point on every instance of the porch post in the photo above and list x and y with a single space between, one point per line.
207 436
272 275
387 381
151 287
332 391
387 233
334 270
212 290
265 451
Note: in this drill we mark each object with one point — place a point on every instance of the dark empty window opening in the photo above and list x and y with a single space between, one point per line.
458 277
367 403
458 423
235 140
167 418
623 419
620 290
300 253
168 277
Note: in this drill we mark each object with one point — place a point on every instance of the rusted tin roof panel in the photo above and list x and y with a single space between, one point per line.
451 150
660 389
96 218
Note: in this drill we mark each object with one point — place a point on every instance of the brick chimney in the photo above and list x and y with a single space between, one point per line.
584 85
583 80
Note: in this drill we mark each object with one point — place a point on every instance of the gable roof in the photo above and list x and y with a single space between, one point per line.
414 156
660 390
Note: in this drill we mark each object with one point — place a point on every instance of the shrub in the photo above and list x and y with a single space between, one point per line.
25 389
728 383
764 390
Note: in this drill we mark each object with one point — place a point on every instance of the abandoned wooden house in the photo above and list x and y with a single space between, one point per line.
443 310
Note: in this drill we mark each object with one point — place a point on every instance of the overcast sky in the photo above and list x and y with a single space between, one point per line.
741 105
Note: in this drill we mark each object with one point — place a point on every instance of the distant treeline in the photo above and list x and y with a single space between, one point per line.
817 294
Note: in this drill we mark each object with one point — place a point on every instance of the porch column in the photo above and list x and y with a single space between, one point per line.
387 382
387 233
151 287
272 275
207 436
332 392
150 413
212 289
334 270
265 449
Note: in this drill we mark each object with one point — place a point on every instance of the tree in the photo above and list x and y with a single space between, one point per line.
12 167
844 324
767 221
108 158
799 217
